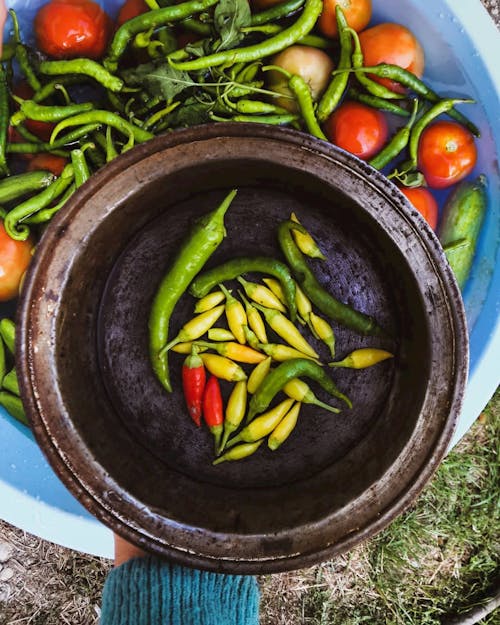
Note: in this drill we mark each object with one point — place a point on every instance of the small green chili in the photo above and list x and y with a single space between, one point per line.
29 109
378 103
277 12
4 121
15 187
103 117
397 144
85 67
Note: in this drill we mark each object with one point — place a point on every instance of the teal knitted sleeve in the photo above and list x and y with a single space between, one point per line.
150 591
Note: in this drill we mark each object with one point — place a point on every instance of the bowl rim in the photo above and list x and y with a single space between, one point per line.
56 456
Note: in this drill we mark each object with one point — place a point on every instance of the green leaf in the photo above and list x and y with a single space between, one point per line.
192 112
230 16
159 79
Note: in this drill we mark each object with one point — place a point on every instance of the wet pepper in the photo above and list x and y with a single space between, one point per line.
193 383
213 409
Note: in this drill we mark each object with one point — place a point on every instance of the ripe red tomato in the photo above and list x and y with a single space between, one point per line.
130 9
66 29
423 200
15 256
358 14
357 128
48 162
446 153
42 130
394 44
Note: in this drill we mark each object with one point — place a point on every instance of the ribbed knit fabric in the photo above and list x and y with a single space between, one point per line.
150 591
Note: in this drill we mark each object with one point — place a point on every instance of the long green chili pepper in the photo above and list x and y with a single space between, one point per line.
302 92
256 107
15 187
108 119
338 84
195 26
397 144
2 360
440 107
277 378
409 80
204 239
378 103
27 135
14 407
282 40
11 383
276 12
58 84
4 121
315 41
85 67
70 137
146 21
12 222
39 112
324 301
235 267
80 165
22 55
275 120
8 334
46 214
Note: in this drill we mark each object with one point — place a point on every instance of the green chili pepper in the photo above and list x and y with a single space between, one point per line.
85 67
302 93
10 382
315 41
46 214
397 144
284 372
231 269
377 103
103 117
80 166
282 40
70 137
326 303
8 334
14 407
151 19
15 187
58 84
276 12
239 452
12 223
4 121
29 109
204 239
22 55
256 107
2 360
338 84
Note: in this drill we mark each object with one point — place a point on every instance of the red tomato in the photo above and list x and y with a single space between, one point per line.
423 200
66 29
357 128
394 44
130 9
446 153
42 130
48 162
15 256
358 14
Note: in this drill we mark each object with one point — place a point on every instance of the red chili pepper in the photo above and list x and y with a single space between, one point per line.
193 383
213 409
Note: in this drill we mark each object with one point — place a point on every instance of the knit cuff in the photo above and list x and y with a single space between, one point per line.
151 591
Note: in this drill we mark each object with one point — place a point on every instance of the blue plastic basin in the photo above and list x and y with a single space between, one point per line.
462 49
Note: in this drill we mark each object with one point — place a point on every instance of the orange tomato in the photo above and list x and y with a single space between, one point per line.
66 29
130 9
357 128
15 256
48 162
446 153
423 200
358 14
394 44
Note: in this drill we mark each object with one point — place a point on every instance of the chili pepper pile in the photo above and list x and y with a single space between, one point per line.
246 316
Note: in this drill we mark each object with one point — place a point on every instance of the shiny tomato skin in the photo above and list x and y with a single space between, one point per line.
66 29
394 44
357 13
15 256
357 128
130 9
423 200
48 162
446 153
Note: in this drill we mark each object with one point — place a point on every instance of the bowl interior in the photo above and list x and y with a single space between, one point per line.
129 450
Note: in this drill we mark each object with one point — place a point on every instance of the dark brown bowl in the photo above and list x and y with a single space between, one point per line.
127 449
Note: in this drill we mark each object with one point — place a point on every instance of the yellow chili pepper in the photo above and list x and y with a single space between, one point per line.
235 351
186 348
195 328
258 374
235 315
223 368
275 286
284 428
304 306
300 391
280 353
261 294
263 425
235 411
239 452
306 244
323 331
255 321
220 334
362 358
287 330
209 301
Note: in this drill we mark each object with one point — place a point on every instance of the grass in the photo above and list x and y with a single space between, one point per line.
438 559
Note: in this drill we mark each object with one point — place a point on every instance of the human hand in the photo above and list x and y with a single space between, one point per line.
125 551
